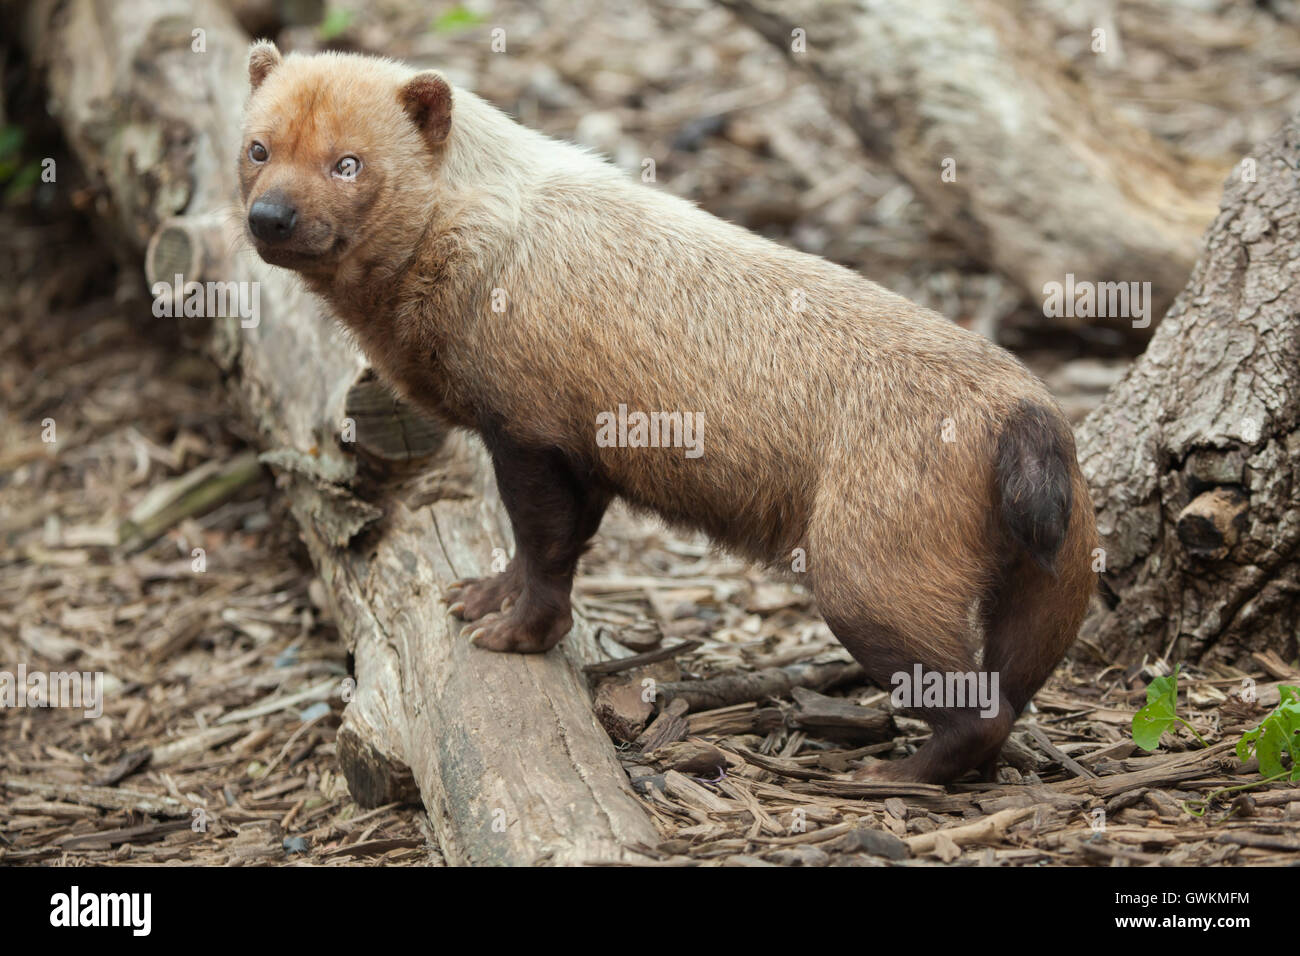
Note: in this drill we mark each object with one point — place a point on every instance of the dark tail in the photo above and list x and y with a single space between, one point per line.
1035 450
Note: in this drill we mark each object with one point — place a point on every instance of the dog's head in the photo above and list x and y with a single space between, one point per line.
335 150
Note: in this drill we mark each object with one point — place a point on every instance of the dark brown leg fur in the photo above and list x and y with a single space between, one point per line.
961 738
1031 616
554 510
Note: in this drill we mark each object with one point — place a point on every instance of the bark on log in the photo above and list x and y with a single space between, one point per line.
741 687
1194 458
1048 179
503 749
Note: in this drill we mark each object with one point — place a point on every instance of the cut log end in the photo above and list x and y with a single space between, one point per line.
172 251
374 777
183 246
266 18
389 433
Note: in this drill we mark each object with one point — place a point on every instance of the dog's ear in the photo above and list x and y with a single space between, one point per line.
427 100
263 57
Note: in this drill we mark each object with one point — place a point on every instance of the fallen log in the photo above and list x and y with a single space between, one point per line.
503 750
1034 174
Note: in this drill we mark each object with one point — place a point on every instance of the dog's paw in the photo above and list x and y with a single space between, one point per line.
473 598
518 631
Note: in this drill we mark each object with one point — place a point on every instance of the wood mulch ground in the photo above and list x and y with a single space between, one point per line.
223 686
769 780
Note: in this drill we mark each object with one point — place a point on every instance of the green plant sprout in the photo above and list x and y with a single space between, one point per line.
1275 735
1197 806
1160 713
17 176
335 24
456 18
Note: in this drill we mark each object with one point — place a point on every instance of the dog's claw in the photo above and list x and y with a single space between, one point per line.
457 607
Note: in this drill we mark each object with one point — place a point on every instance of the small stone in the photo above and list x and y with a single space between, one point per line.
800 855
651 782
874 842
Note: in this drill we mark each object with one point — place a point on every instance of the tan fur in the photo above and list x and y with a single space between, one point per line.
823 426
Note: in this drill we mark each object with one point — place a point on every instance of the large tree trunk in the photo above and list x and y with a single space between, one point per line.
1194 458
1048 179
504 749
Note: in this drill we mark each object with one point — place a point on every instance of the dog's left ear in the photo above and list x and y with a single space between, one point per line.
263 57
427 100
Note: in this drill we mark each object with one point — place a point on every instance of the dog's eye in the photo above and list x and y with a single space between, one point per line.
347 167
258 153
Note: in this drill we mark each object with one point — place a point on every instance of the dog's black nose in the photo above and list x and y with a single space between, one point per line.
272 221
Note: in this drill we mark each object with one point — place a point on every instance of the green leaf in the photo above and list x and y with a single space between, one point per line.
1246 744
21 183
1158 715
1275 736
1271 744
11 141
335 24
456 18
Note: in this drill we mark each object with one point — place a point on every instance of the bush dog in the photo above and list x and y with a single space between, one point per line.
920 478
